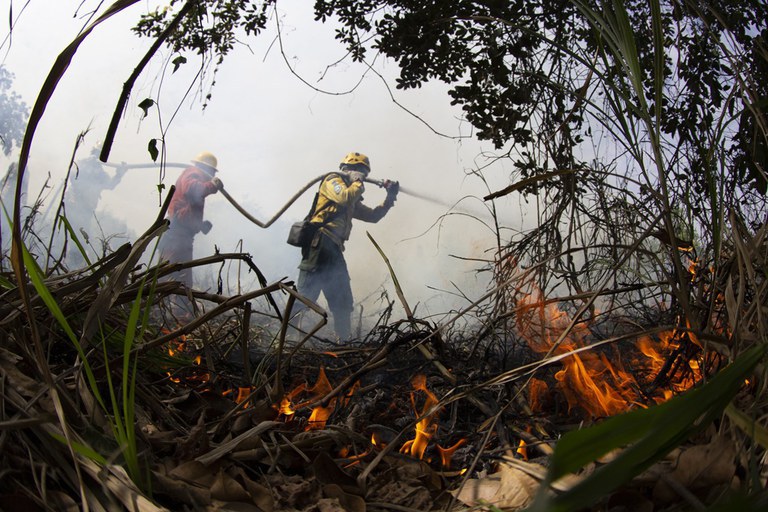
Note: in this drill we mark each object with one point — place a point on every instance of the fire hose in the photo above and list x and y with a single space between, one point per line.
299 193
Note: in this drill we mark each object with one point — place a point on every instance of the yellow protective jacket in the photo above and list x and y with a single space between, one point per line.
340 201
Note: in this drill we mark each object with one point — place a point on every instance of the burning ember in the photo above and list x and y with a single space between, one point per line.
243 393
522 450
302 397
320 414
177 350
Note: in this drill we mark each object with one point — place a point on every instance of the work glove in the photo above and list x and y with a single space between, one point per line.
121 170
206 227
216 181
392 188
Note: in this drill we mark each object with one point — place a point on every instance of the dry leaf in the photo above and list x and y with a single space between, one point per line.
349 502
701 467
509 488
328 472
193 471
260 495
226 488
238 506
181 492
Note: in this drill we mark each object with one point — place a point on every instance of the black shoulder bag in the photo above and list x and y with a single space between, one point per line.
303 231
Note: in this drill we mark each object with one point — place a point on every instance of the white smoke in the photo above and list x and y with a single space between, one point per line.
271 134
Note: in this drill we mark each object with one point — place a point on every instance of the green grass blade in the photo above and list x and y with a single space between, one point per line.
658 64
74 238
748 424
36 276
85 451
651 434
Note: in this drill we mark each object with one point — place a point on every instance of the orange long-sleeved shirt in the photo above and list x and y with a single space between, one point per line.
188 202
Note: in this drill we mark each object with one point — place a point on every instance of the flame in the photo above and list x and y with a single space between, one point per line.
424 428
242 394
176 348
318 417
657 352
320 414
446 454
176 345
322 386
522 450
592 383
286 408
538 390
588 382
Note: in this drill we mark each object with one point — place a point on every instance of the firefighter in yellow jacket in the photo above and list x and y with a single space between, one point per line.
323 268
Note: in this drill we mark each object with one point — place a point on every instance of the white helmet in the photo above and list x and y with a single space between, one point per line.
207 160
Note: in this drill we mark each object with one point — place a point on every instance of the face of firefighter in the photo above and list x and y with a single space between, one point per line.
356 176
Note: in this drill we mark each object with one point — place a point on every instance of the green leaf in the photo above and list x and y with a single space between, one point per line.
37 277
178 61
748 424
146 104
5 283
85 451
152 148
75 239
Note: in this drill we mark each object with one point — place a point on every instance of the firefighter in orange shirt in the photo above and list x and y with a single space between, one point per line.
323 267
186 212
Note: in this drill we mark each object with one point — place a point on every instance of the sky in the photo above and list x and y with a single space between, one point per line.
272 133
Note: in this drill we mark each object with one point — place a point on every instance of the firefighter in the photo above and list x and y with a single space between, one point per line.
84 190
323 268
185 212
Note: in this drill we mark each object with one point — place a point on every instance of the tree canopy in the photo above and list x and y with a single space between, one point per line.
626 120
13 113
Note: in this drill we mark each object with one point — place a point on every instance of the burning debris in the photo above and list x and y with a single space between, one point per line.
240 408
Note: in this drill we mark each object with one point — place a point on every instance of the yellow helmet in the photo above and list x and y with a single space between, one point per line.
207 159
356 158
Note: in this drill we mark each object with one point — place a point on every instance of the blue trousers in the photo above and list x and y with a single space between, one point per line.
323 269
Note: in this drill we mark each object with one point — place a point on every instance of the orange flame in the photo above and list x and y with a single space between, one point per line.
318 417
286 408
320 414
522 450
424 428
589 381
175 348
538 390
242 394
176 345
446 454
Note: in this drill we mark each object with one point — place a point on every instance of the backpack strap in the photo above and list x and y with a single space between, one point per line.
312 211
312 208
